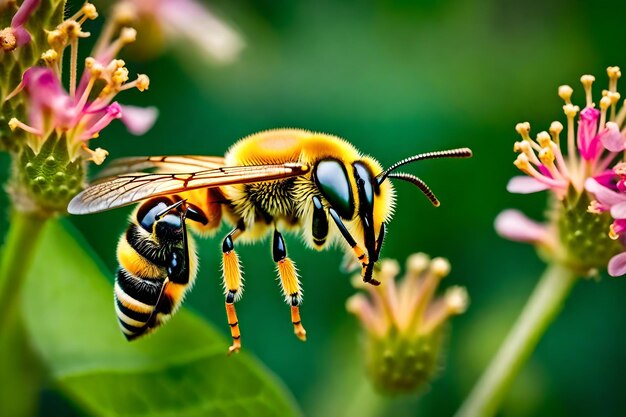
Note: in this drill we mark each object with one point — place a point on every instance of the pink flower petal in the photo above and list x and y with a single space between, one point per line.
604 195
514 225
612 138
587 129
617 265
618 211
22 37
139 120
46 96
193 21
525 185
26 9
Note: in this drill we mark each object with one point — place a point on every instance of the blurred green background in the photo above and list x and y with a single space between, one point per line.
395 78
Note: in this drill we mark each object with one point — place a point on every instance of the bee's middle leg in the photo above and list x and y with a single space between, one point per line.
233 286
289 282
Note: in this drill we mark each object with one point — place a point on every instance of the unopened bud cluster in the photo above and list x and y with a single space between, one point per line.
405 323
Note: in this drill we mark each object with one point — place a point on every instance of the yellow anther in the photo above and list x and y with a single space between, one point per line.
120 76
143 82
124 13
521 162
70 27
605 103
546 156
128 35
389 268
440 267
97 156
50 57
90 62
519 146
94 67
543 139
614 96
417 263
570 110
614 72
595 207
89 10
556 128
587 82
56 39
612 234
118 63
457 300
620 168
8 42
565 92
523 129
13 124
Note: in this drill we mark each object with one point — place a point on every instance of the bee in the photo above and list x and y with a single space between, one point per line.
268 183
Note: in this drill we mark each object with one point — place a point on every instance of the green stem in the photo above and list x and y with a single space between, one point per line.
20 367
17 254
366 402
540 310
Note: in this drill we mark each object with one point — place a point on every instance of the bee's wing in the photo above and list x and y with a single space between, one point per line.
184 163
129 188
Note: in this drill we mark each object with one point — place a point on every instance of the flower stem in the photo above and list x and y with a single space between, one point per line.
540 310
17 254
18 362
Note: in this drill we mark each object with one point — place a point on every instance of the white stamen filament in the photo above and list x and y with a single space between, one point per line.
73 65
14 124
439 268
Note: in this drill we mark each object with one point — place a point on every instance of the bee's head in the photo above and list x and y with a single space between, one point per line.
357 195
160 217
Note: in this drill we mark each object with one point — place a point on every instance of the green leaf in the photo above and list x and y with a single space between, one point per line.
181 370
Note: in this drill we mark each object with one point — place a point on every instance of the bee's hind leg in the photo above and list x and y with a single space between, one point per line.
233 285
289 282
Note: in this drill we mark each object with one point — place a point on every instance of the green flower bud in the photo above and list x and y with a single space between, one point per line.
404 324
586 246
46 181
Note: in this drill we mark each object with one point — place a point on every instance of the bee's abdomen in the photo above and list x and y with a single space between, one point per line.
135 303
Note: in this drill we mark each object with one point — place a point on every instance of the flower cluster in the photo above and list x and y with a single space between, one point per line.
175 21
61 123
404 322
586 224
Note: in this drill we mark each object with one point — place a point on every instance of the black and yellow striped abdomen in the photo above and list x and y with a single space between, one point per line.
141 279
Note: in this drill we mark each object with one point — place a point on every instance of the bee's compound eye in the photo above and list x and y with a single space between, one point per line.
369 184
146 215
332 180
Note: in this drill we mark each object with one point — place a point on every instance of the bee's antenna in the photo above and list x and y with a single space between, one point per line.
451 153
169 208
418 183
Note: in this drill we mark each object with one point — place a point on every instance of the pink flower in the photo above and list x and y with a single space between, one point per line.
88 107
611 197
574 178
185 21
16 35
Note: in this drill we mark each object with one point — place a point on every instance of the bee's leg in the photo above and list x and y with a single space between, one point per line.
366 265
289 282
233 285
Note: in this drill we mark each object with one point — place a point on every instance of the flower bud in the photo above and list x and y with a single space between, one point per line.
405 324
